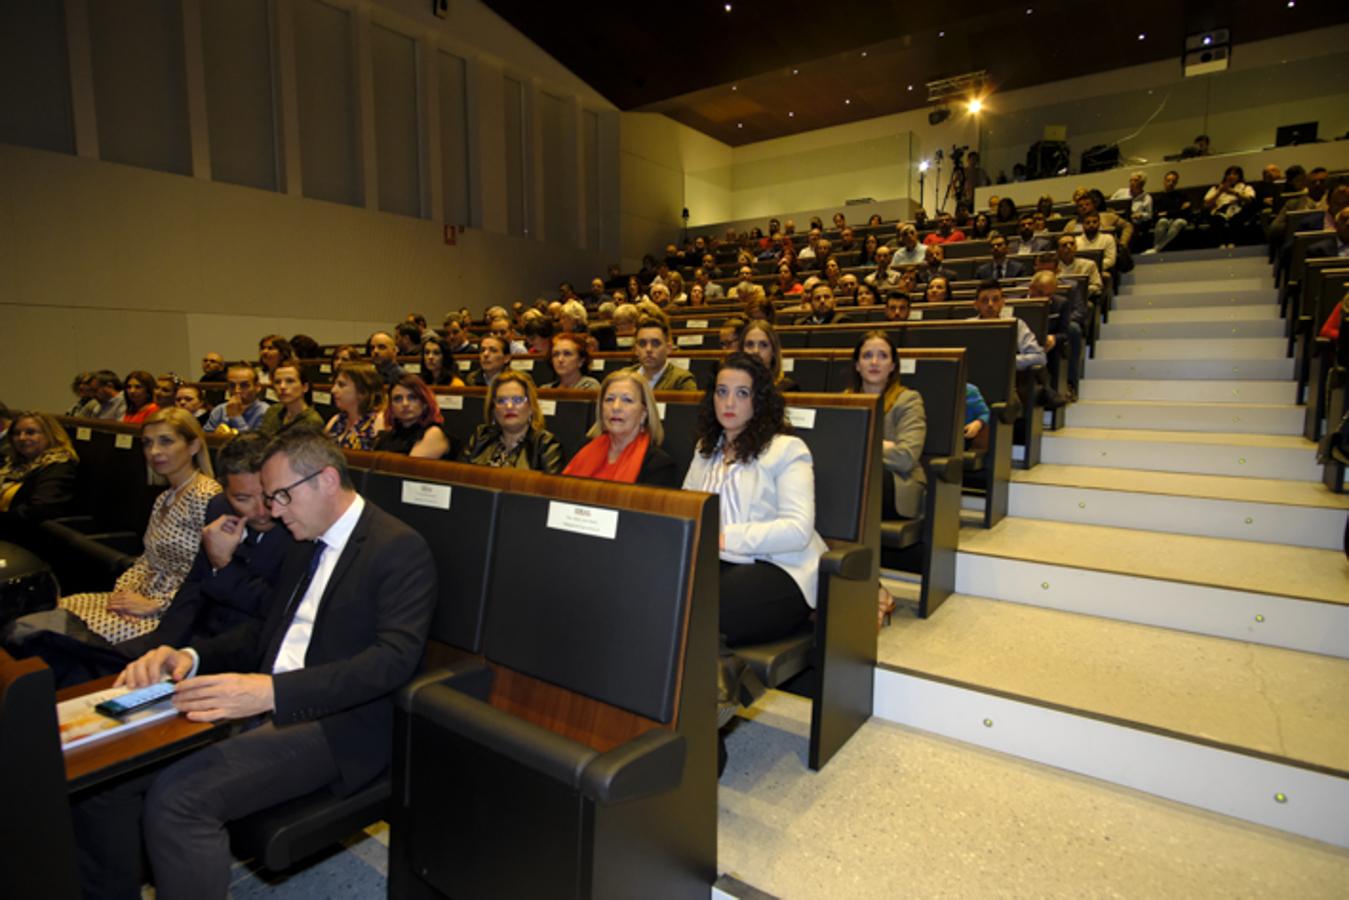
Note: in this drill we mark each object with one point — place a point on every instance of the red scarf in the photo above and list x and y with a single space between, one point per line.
592 460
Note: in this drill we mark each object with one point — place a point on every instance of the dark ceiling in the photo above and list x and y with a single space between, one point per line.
765 70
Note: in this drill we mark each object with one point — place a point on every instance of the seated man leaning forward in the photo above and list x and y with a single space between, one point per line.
312 686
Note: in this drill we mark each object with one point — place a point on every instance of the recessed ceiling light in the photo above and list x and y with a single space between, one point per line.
796 71
846 102
1029 10
728 7
864 53
1142 37
791 115
941 34
1291 4
910 87
739 124
735 87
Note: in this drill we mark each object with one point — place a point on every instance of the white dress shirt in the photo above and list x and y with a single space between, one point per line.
295 644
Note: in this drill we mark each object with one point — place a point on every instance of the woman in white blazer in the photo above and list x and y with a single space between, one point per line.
770 553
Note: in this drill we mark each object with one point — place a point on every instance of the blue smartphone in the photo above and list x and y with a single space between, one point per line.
120 707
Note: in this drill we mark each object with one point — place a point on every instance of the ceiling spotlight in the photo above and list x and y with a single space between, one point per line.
739 124
864 54
976 105
847 102
1142 37
727 7
910 87
1029 10
796 71
941 34
1291 4
791 115
735 87
922 166
1207 40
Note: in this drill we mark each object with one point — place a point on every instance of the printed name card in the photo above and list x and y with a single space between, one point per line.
414 368
523 365
325 368
916 315
547 407
800 417
690 340
680 362
124 441
696 323
84 434
908 366
788 365
625 341
322 397
660 408
597 365
465 365
588 520
420 493
449 401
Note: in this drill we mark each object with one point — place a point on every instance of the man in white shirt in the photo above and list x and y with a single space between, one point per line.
909 252
1092 238
1071 264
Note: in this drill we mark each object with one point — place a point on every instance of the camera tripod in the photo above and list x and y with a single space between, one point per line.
956 185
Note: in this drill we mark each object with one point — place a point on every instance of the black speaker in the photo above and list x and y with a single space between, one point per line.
1045 159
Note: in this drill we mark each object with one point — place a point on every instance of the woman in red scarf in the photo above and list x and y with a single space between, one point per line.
627 436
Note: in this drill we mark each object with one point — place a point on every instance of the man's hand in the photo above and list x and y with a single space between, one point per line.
221 538
154 666
208 698
131 605
1050 341
972 430
234 406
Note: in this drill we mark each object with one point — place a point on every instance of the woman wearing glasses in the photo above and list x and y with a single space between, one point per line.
175 450
512 435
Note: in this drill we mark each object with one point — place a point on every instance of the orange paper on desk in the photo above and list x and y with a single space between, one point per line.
80 723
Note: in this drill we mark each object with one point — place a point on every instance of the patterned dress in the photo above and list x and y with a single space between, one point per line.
360 436
172 540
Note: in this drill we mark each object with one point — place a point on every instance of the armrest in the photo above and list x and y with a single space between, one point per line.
649 764
1003 412
126 542
81 524
523 742
471 676
950 469
112 559
851 561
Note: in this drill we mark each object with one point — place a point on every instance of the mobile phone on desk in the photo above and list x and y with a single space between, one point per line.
125 705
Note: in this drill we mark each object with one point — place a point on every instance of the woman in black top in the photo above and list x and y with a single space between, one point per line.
37 475
759 339
513 435
437 364
414 422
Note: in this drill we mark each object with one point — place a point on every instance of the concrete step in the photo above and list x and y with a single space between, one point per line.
1200 265
1234 349
1231 284
1242 418
1183 367
1197 452
1187 390
1302 514
1201 295
1252 312
1272 327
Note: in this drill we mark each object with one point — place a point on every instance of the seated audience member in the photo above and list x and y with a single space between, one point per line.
139 387
759 339
909 251
1200 147
571 364
414 422
175 450
85 404
513 435
981 228
1045 207
407 338
625 324
678 296
635 292
306 348
1140 201
660 294
188 397
597 294
875 219
382 350
1172 212
539 333
822 308
1333 327
1067 324
840 221
437 365
291 409
1005 214
457 338
212 367
1093 238
884 276
867 295
833 273
626 438
1338 200
847 288
897 307
847 241
653 355
166 388
1088 202
696 295
358 395
1028 242
935 267
729 334
787 282
1070 264
867 255
938 291
946 232
1000 266
273 350
810 251
711 290
989 303
493 359
242 411
346 354
976 418
1228 205
1338 245
37 474
574 319
322 709
876 372
744 285
770 552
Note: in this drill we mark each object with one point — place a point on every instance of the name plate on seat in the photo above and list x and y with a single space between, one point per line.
548 407
421 493
680 362
660 408
800 417
449 401
322 397
84 434
124 441
916 315
788 365
588 520
465 364
414 368
597 365
522 365
908 366
625 341
689 340
325 369
696 323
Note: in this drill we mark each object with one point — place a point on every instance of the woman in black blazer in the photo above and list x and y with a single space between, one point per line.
626 437
513 434
37 475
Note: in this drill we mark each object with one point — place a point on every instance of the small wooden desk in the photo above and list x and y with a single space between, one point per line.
138 748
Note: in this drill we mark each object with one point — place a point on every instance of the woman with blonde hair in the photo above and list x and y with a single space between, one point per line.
626 437
175 452
513 434
37 476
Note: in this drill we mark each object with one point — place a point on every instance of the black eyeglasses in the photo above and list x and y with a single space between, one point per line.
282 496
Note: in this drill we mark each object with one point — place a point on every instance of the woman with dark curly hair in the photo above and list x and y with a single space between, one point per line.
766 480
1006 214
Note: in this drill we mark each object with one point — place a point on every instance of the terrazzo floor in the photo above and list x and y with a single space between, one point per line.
1180 484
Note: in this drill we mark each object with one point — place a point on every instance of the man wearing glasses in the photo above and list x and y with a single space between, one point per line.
312 685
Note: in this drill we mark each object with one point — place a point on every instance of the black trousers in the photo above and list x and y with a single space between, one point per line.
759 602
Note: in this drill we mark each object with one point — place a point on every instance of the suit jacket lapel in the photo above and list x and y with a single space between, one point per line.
344 563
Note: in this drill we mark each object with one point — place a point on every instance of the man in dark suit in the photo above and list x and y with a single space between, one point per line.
1067 321
346 628
1000 267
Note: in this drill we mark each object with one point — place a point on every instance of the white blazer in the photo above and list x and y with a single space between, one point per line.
778 491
